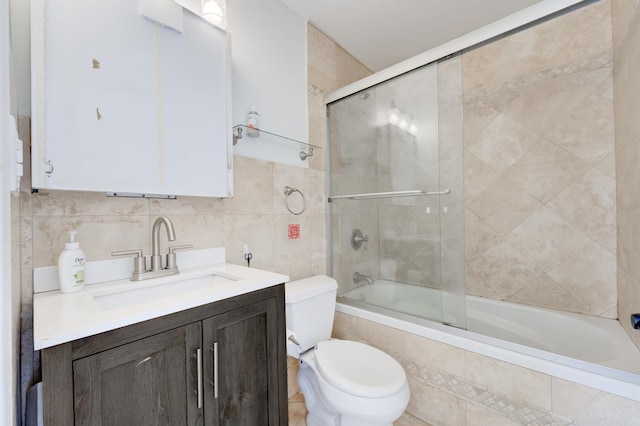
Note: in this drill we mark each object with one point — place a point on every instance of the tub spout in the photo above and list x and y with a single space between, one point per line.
358 277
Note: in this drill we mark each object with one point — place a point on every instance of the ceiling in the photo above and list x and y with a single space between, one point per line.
381 33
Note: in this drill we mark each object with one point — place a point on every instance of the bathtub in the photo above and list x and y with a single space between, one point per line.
588 350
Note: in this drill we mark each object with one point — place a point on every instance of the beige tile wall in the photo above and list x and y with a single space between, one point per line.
353 170
452 211
408 250
539 173
541 214
255 216
452 386
329 67
366 158
626 32
540 182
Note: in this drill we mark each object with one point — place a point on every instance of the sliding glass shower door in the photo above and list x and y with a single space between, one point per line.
396 221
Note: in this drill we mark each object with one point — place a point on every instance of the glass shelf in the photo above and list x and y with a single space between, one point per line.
266 136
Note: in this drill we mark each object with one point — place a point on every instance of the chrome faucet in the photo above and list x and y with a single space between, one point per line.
140 271
156 259
358 277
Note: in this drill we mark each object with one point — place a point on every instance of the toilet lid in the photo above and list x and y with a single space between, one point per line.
359 369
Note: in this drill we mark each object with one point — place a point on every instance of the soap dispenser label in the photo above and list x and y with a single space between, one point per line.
77 269
79 276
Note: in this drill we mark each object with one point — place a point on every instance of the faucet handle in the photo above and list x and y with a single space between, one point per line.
171 256
139 265
174 249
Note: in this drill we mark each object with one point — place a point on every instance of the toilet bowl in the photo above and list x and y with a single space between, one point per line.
354 384
343 382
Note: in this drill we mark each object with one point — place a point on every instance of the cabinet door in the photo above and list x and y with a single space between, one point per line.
142 109
152 381
242 371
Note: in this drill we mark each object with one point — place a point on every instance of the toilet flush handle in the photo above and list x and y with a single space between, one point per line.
294 340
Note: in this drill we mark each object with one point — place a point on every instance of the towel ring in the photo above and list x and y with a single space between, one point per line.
287 192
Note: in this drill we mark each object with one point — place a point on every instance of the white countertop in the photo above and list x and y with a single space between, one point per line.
59 318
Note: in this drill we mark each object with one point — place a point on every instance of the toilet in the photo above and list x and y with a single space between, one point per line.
344 383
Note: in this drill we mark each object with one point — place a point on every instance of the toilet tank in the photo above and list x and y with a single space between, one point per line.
310 307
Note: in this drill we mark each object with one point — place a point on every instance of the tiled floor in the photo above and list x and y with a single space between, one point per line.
298 412
408 420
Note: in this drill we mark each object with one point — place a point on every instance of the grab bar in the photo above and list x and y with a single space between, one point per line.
371 195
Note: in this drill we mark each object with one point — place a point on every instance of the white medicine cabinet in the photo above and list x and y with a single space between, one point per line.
123 104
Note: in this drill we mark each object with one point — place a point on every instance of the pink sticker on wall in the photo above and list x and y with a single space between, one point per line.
294 231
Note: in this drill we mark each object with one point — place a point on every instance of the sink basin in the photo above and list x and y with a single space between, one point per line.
137 293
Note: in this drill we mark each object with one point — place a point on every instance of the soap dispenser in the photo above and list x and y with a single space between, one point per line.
253 122
71 266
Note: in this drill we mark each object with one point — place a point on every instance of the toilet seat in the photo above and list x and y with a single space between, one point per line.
359 369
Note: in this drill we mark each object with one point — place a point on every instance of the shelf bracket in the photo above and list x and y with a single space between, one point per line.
304 155
237 135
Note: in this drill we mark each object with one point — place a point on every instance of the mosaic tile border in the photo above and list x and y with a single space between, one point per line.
516 411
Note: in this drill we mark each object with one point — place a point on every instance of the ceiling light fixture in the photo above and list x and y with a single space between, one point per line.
212 11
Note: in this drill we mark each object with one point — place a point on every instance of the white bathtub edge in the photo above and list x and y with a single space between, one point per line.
482 345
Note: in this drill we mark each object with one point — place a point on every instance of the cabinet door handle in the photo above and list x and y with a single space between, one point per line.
215 370
199 362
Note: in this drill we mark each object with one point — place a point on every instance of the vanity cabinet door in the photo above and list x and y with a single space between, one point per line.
245 389
152 381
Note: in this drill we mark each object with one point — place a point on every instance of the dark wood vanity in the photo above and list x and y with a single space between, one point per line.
222 363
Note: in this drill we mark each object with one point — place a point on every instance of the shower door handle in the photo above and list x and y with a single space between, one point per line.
394 194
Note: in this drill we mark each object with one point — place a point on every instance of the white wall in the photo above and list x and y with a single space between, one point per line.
20 39
8 317
270 72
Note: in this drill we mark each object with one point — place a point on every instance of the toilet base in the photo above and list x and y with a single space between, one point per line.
344 421
320 413
348 421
